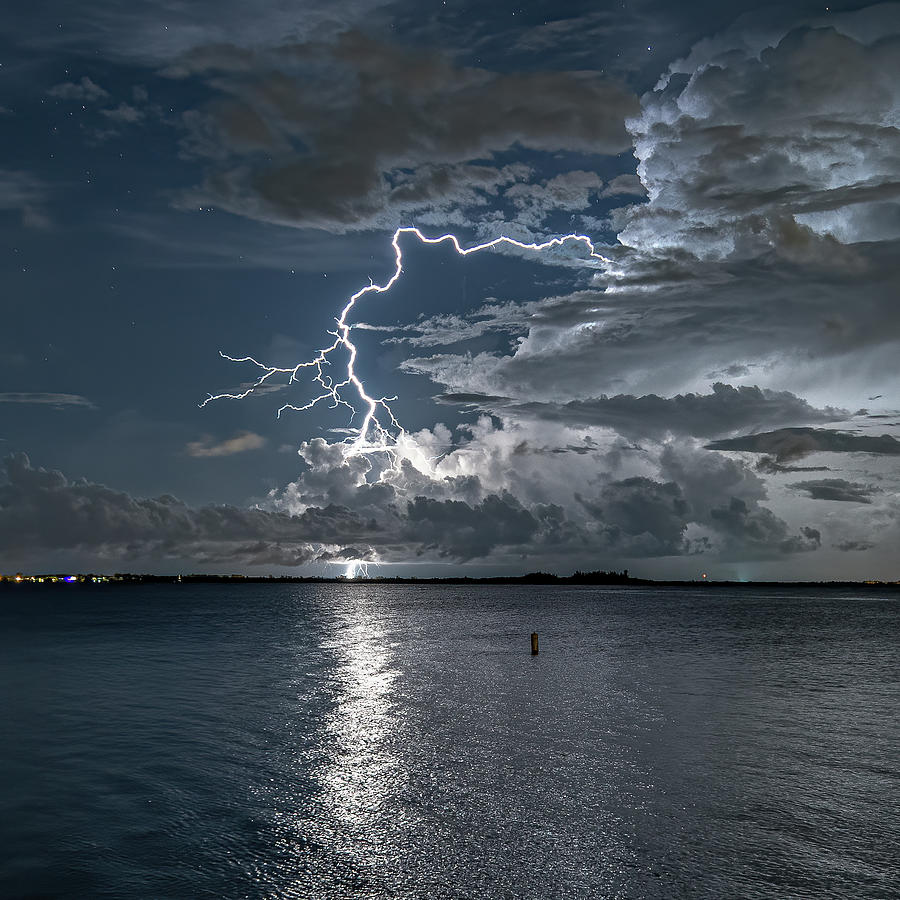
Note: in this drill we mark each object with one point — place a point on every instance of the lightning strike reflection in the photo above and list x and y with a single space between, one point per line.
373 435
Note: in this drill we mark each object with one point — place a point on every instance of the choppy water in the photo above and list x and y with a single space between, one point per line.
338 741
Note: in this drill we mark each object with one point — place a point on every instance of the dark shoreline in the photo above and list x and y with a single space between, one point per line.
611 579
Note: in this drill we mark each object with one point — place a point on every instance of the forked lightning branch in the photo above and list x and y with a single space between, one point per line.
373 434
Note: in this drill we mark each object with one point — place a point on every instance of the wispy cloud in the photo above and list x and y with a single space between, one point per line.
45 399
22 191
85 91
240 443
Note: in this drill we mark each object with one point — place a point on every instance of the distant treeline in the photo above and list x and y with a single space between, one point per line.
598 577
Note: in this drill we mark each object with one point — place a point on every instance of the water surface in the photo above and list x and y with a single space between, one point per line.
256 741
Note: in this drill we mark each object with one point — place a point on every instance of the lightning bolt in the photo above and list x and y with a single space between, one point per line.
373 435
357 569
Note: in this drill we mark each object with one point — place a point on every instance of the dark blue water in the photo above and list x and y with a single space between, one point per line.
355 741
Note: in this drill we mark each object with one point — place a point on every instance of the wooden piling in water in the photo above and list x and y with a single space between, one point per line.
534 643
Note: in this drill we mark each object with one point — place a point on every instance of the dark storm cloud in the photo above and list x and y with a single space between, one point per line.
644 517
362 133
836 489
641 516
479 400
854 546
760 527
702 415
725 496
795 443
334 511
701 502
464 531
768 466
345 554
41 510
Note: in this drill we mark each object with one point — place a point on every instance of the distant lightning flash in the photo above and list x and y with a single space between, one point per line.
372 435
357 569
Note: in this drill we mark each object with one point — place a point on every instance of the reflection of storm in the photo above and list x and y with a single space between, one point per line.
359 775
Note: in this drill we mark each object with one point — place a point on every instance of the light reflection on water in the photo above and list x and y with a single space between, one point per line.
360 776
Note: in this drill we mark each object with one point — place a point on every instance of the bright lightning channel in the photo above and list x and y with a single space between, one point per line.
357 569
372 435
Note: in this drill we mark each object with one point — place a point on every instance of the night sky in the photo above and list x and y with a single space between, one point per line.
716 390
